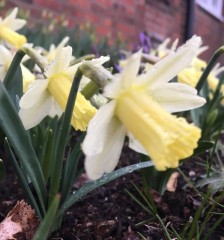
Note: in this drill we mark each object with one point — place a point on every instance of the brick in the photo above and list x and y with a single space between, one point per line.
127 18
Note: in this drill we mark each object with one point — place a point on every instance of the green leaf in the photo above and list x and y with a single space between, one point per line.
97 183
16 134
62 137
215 182
70 169
13 80
203 146
46 153
209 67
48 221
155 179
23 181
2 170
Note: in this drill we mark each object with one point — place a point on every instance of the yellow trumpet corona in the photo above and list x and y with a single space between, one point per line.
166 138
12 37
59 87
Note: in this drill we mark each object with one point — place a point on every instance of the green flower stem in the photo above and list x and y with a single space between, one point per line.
98 74
89 90
81 59
34 55
63 136
208 69
13 67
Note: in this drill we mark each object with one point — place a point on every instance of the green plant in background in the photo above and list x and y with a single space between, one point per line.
136 105
36 172
210 119
51 166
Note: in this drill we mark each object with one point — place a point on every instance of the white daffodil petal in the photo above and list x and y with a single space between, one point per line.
113 87
63 42
177 97
12 22
17 24
60 62
13 14
10 18
55 110
6 55
131 69
2 73
97 131
107 159
99 61
135 145
33 116
168 67
54 49
34 94
70 71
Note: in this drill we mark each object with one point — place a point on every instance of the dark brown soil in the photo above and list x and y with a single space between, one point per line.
110 213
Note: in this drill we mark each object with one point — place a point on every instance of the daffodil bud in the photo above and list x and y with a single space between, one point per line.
38 59
98 74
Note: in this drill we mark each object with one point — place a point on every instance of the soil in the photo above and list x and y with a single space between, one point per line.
110 213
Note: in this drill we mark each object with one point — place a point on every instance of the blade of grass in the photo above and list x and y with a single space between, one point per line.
163 227
148 199
214 226
175 233
146 208
150 209
214 203
213 151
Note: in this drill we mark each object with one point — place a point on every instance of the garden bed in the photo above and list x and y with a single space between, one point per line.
110 213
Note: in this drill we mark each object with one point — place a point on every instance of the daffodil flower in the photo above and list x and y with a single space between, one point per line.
49 96
53 49
192 74
140 108
163 49
189 76
8 28
213 80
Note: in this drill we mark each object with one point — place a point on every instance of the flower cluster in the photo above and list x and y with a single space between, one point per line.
47 94
141 109
138 106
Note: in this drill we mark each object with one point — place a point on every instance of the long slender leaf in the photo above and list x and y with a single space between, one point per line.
46 154
13 81
22 179
20 142
210 65
203 146
2 170
97 183
71 169
64 131
48 221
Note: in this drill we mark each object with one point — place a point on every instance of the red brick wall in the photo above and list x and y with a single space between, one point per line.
126 18
210 29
